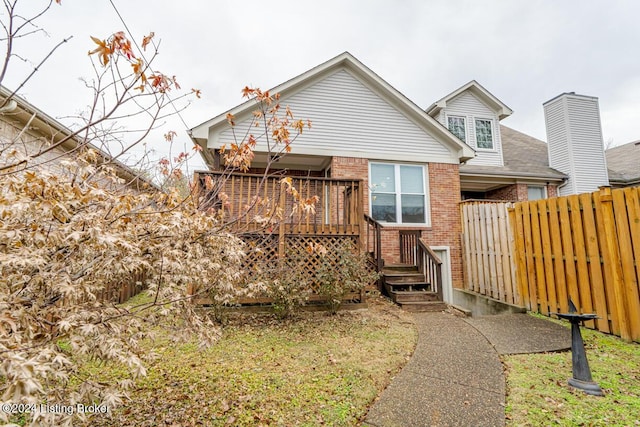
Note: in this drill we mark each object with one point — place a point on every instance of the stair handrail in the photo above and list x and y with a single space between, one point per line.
373 239
430 265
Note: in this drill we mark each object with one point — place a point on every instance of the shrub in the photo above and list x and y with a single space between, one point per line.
287 283
342 271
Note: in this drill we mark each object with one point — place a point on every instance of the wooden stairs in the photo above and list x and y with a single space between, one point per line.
407 287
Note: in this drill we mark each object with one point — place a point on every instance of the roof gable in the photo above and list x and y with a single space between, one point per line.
21 113
475 88
370 80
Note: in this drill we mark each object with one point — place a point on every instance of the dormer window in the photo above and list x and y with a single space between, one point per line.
457 127
484 134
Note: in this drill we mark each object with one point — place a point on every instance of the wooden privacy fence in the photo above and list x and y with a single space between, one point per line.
120 292
487 244
115 292
585 247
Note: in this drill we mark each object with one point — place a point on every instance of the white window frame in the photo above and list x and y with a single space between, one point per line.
398 194
493 133
464 123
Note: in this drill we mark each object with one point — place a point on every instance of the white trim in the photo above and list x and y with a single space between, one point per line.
494 148
426 189
464 120
476 88
447 282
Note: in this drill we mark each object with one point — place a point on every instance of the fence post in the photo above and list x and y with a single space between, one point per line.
615 265
520 262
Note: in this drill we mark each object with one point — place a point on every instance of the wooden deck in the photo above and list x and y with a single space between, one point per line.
280 217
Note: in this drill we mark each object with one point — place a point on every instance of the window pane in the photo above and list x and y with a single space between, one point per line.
484 135
411 179
412 209
383 207
456 126
383 178
535 193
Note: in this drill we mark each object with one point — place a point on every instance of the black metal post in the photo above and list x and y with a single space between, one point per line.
581 372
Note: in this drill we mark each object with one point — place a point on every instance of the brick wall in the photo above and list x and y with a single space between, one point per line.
517 193
444 195
446 227
510 193
351 167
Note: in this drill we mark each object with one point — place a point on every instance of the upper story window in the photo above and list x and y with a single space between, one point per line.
398 193
484 134
457 127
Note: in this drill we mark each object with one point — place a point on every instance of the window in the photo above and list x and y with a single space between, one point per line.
536 193
398 193
484 134
457 127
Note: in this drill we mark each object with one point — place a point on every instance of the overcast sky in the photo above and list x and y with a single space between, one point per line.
525 52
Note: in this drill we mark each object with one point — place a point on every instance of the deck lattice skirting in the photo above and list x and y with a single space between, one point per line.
264 213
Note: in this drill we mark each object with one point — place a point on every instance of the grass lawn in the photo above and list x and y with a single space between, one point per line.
538 393
314 370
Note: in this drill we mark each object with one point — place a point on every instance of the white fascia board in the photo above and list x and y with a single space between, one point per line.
478 90
396 156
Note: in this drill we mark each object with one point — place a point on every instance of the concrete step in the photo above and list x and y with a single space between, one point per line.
429 306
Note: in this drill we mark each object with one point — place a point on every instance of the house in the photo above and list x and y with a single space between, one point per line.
367 139
373 153
503 167
623 165
518 167
31 132
45 144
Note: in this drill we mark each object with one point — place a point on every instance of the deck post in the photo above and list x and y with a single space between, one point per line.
281 228
362 225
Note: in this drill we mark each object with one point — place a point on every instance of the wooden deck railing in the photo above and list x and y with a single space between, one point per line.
431 266
409 245
306 206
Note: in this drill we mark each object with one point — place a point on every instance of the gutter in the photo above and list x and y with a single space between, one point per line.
11 105
514 175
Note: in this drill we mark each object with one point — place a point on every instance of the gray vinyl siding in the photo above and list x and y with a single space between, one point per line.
575 142
471 108
350 120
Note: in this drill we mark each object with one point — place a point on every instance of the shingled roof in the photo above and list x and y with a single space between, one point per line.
623 164
524 156
527 157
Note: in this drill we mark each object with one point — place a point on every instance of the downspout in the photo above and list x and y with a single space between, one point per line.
565 181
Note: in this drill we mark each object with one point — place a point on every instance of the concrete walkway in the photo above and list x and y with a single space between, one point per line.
455 377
